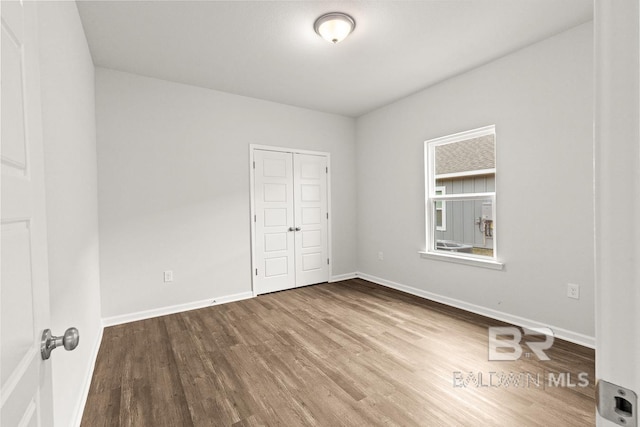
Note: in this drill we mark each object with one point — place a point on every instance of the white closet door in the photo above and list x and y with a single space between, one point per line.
310 188
274 222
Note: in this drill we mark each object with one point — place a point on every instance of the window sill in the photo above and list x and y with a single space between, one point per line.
476 262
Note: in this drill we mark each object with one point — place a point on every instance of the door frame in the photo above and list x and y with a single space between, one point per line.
616 148
252 149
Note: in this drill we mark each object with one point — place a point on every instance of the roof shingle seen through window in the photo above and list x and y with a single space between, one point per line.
466 156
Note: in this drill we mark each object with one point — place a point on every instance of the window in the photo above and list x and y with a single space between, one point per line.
461 197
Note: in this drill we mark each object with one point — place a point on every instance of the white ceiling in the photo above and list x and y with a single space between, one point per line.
268 49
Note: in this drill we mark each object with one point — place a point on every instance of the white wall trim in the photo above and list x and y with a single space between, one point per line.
464 174
462 259
565 334
460 136
79 409
341 277
163 311
287 150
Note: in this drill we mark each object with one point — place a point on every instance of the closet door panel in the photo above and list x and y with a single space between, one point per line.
311 209
274 217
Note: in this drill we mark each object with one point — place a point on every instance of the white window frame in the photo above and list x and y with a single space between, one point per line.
443 208
431 197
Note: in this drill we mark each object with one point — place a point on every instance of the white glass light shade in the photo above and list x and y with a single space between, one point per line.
334 27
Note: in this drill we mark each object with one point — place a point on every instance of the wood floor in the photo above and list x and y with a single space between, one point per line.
344 354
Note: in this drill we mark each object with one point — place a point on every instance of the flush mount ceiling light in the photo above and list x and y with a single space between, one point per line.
335 26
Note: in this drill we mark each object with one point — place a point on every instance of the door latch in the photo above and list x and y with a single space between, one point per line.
617 404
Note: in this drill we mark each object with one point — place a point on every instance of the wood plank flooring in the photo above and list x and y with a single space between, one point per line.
350 353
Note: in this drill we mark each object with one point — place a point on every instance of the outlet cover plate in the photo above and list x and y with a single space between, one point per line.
573 291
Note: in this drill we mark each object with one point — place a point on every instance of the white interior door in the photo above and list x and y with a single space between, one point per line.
291 236
311 216
25 379
274 222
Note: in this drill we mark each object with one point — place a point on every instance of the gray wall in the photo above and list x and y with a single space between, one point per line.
69 132
173 173
540 99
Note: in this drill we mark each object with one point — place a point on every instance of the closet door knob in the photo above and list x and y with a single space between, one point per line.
69 341
298 228
292 229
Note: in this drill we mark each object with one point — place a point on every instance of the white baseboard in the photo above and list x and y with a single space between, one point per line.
567 335
79 410
163 311
340 277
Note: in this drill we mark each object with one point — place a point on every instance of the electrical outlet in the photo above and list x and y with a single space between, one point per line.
573 291
380 256
168 276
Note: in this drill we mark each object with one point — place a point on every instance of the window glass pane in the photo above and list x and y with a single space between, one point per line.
466 166
469 228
